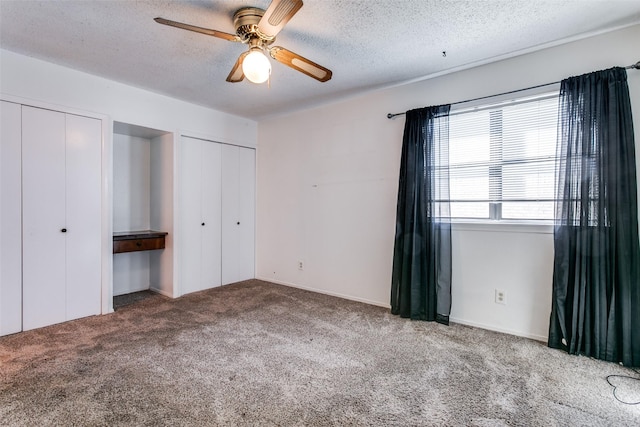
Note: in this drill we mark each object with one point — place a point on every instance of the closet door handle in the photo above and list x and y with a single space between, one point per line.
238 222
64 230
202 223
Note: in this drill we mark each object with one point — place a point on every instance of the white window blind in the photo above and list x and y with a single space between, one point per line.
502 160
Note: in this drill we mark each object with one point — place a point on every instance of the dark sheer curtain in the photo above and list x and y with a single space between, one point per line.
421 280
596 289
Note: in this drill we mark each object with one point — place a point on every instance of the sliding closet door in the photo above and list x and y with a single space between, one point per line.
238 207
10 219
83 216
43 216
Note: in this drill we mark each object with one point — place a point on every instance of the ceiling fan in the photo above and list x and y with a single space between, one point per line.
258 29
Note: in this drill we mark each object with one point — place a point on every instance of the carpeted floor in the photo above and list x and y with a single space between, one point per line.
255 353
126 299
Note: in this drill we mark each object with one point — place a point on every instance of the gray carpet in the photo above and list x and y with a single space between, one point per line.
255 353
126 299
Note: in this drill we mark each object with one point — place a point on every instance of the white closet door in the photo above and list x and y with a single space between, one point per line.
43 216
83 213
230 187
211 214
238 206
10 219
191 221
246 213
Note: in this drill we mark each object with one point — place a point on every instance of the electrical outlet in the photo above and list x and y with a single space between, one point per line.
501 297
300 266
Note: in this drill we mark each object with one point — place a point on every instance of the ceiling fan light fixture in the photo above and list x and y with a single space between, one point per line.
256 66
258 28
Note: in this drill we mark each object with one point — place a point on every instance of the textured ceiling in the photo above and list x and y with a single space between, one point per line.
366 43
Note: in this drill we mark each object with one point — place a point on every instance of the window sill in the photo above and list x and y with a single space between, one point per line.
502 226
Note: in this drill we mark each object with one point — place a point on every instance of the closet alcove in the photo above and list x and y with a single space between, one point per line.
143 173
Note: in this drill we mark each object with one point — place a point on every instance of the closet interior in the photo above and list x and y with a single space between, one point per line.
143 173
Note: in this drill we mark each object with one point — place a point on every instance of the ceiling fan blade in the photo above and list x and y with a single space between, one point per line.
237 75
301 64
207 31
277 15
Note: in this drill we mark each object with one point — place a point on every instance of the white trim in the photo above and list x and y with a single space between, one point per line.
53 107
320 291
218 139
107 216
502 227
160 292
484 326
175 288
536 337
139 288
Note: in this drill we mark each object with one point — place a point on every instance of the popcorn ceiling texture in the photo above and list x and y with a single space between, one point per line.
366 43
255 353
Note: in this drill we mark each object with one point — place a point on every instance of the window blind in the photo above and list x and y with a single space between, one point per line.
502 159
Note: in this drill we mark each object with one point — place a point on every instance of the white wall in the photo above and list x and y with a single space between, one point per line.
131 208
30 78
327 188
131 183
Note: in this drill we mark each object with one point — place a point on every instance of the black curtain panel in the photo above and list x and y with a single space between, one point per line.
596 289
421 279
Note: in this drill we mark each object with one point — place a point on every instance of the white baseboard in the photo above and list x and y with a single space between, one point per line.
321 291
379 304
130 290
161 292
498 329
152 289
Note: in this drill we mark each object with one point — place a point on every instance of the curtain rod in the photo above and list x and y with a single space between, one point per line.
392 115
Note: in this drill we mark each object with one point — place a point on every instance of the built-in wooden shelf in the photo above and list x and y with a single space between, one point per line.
144 240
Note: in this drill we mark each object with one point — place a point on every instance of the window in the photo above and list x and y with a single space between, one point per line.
502 160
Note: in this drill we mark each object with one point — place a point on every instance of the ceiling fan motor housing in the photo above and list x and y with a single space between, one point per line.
246 20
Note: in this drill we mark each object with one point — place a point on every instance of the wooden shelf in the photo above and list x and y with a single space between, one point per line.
132 241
